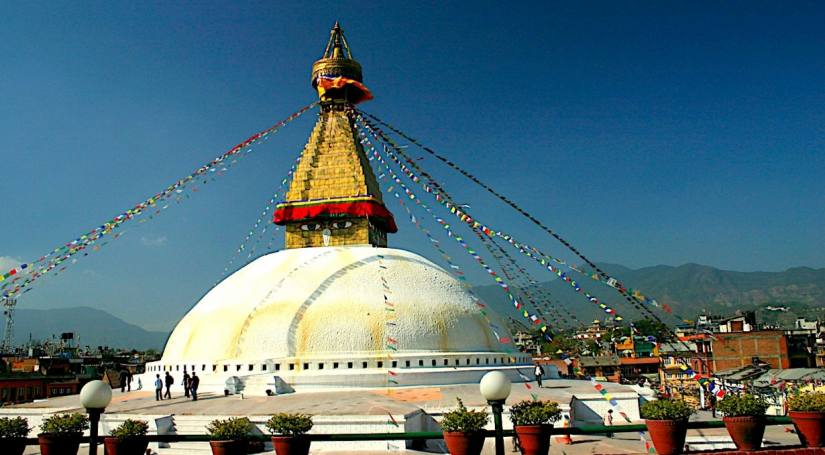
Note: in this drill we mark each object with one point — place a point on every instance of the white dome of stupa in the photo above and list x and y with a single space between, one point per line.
318 316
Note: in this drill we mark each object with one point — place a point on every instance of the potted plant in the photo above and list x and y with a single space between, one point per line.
744 419
807 411
530 421
292 428
666 421
13 433
462 430
229 436
61 433
128 438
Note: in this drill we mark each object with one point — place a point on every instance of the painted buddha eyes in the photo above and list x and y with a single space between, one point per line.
341 225
318 227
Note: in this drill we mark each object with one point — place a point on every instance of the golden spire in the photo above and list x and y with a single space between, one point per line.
334 198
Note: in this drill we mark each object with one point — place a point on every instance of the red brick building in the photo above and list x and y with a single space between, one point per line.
21 388
732 350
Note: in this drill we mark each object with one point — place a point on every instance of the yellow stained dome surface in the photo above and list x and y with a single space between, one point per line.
330 302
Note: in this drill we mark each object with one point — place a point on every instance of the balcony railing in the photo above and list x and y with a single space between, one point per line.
424 435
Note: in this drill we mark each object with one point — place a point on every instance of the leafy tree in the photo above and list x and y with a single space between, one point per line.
647 327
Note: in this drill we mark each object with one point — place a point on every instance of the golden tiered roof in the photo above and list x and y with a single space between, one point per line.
334 198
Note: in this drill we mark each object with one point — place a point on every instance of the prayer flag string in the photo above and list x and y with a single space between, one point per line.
464 216
261 221
629 297
39 268
430 186
387 175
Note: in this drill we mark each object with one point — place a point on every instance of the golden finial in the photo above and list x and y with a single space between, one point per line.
337 60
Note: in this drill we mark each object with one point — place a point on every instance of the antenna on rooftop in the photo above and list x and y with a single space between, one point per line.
8 311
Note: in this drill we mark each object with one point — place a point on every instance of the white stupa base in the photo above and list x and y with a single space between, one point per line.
280 376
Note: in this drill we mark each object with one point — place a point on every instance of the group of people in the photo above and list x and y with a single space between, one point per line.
190 386
125 381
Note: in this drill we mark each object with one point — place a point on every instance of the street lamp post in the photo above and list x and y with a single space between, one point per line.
495 388
95 396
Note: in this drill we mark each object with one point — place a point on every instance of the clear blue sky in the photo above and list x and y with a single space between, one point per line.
645 132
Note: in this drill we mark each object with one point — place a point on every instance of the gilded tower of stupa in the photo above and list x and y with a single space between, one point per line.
334 198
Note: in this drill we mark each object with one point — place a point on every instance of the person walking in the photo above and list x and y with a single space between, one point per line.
712 400
128 381
158 388
186 383
608 421
169 381
538 372
124 376
194 382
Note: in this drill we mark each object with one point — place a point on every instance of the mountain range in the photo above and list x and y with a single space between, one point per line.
777 297
687 290
91 326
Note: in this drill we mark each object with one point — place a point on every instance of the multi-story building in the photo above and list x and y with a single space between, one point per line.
638 357
692 352
605 367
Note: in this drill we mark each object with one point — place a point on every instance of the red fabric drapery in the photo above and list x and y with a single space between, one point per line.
372 209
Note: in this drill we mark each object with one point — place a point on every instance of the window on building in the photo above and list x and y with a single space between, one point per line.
320 366
380 364
349 364
363 364
263 367
334 365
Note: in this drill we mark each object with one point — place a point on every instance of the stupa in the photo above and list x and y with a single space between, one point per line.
336 307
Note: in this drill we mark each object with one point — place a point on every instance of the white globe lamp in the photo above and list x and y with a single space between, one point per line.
495 388
95 396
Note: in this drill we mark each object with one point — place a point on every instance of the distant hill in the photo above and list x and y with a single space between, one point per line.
94 327
690 288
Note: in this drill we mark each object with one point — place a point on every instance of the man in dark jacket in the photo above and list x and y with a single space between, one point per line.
169 381
124 378
194 382
186 384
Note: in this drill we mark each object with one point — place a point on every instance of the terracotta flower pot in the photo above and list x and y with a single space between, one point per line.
63 444
533 439
291 445
14 446
810 426
228 447
130 446
460 443
746 431
668 435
